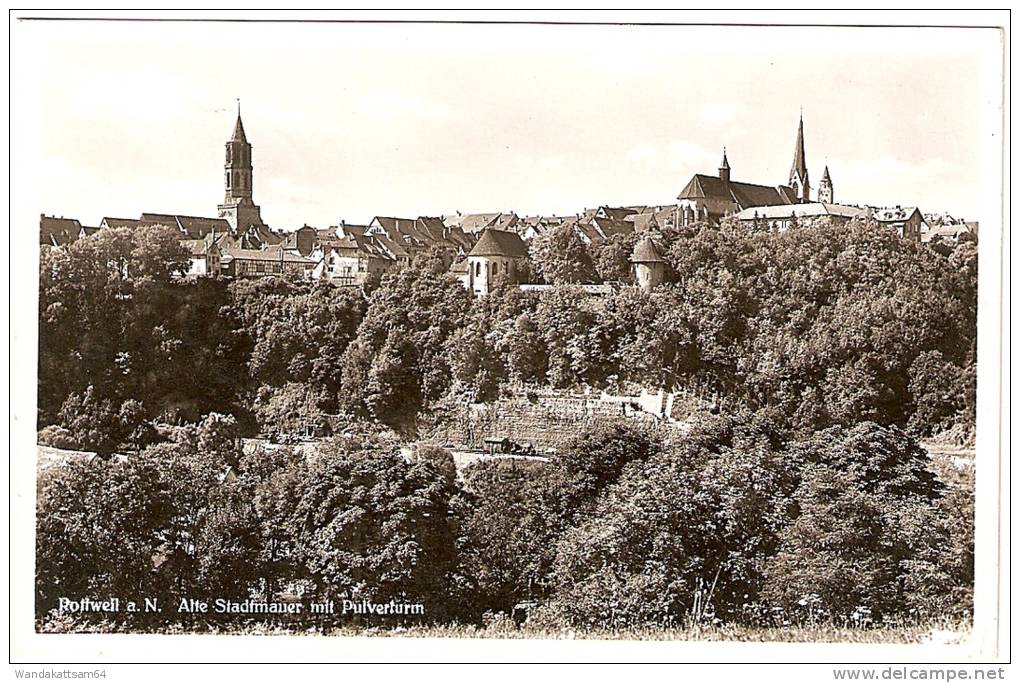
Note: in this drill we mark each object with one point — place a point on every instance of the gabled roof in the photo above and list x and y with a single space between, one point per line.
472 222
273 254
395 248
894 214
608 227
645 251
193 227
744 195
499 243
120 222
618 213
58 231
368 246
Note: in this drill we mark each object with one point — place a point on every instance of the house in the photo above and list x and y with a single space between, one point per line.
907 221
301 241
57 231
119 223
205 255
780 218
654 218
189 227
952 232
494 256
477 222
274 260
352 260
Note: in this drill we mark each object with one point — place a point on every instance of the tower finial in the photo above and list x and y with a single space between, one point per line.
724 167
238 106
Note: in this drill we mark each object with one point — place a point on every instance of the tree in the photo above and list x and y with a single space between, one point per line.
560 257
291 409
100 532
611 259
369 525
862 525
512 514
397 365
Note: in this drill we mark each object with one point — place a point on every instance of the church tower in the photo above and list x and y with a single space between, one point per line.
724 168
798 174
237 207
825 188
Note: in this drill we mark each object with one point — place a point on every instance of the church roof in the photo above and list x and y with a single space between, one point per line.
799 169
645 251
499 243
238 135
744 195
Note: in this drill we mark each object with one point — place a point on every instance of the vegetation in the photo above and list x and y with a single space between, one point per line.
826 351
728 524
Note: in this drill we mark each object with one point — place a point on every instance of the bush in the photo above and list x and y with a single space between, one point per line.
56 436
370 525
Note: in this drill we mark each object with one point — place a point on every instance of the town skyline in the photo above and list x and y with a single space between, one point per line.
405 135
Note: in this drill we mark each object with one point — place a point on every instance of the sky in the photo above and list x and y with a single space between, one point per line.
351 121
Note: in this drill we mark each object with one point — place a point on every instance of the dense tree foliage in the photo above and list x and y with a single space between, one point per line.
397 363
729 521
827 350
561 257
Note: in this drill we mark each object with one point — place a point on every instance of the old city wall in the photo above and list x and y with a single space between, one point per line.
544 421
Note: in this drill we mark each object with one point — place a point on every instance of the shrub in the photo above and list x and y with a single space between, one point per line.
56 436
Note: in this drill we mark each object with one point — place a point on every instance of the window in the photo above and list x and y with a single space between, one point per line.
228 180
228 153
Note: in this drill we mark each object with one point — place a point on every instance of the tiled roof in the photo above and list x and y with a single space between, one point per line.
274 254
618 213
121 222
499 243
58 231
891 215
608 227
744 195
396 249
472 222
194 227
645 251
800 210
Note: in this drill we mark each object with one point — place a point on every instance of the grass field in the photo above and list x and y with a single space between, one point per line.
939 632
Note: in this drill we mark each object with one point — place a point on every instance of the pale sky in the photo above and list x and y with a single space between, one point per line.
356 120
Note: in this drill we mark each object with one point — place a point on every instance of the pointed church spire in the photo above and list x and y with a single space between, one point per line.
825 193
724 168
239 127
799 174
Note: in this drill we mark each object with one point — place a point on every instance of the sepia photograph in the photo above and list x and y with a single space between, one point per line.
619 332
